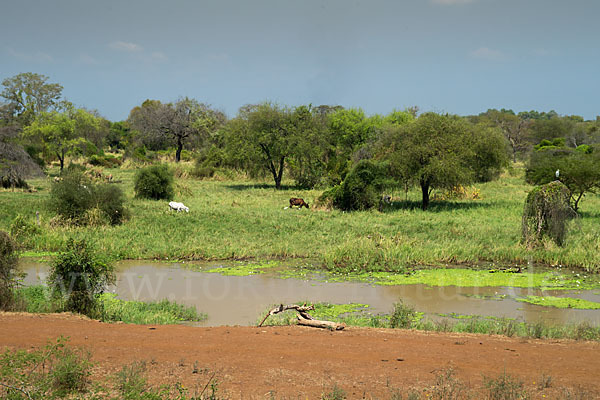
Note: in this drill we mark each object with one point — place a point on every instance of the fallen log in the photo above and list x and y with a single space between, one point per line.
315 323
301 309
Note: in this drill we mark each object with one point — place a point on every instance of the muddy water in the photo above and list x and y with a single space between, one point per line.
241 300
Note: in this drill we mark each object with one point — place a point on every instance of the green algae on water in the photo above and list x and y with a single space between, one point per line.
464 277
561 302
243 269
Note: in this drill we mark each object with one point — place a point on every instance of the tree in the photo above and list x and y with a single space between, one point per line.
15 164
578 169
28 94
262 134
80 275
61 132
434 151
177 123
514 128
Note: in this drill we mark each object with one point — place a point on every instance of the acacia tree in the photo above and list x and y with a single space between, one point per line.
578 169
28 94
15 163
178 123
514 128
61 132
435 151
263 134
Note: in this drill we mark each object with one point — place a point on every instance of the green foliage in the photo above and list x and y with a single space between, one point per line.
8 271
106 161
440 152
22 230
505 387
71 371
578 170
546 213
52 372
72 196
132 384
336 393
110 199
61 133
79 275
546 144
75 196
154 182
361 189
403 316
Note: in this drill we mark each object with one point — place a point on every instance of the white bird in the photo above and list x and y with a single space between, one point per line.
557 173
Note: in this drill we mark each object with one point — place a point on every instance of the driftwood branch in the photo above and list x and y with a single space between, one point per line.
301 309
315 323
303 317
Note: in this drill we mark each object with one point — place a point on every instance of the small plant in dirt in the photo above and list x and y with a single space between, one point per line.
546 214
78 276
8 271
154 182
403 316
54 371
336 393
505 387
448 386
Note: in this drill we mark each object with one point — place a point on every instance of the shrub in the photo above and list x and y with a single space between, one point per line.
75 197
106 161
505 387
361 188
8 271
403 316
71 371
110 200
79 275
154 182
72 196
21 229
546 214
48 373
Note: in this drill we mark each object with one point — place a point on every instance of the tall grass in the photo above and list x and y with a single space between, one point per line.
244 219
37 299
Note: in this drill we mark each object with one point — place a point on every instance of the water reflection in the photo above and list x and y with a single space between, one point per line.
235 300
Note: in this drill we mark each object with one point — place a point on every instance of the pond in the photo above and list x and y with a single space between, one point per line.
241 300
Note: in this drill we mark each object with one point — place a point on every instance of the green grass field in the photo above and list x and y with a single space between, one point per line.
245 219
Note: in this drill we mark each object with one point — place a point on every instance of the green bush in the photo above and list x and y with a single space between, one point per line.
72 196
21 229
154 182
110 199
403 316
75 197
106 161
71 371
79 275
52 372
361 188
8 271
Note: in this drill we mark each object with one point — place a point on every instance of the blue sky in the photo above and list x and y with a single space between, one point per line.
457 56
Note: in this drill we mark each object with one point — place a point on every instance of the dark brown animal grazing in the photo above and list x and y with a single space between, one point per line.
298 202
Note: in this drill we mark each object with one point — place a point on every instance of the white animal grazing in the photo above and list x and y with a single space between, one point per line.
178 206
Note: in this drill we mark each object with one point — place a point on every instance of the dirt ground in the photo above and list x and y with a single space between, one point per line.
301 362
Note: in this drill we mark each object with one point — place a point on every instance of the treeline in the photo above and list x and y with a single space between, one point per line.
316 146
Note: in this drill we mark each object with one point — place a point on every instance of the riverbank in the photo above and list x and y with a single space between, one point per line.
291 362
233 220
